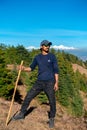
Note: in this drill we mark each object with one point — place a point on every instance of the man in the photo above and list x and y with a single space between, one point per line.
47 81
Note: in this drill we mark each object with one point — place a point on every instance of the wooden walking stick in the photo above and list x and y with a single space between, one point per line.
7 120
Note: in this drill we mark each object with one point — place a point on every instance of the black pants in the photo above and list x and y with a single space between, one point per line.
48 88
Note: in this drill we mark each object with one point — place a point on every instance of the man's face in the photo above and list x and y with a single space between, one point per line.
45 48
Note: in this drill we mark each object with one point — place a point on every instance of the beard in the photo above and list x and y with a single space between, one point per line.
46 50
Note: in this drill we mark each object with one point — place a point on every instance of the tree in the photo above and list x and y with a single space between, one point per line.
6 79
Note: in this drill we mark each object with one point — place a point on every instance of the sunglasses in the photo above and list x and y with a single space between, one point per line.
46 45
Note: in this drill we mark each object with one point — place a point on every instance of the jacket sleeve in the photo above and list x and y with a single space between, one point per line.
33 64
55 65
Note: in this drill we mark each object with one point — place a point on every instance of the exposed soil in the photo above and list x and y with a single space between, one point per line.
37 116
81 69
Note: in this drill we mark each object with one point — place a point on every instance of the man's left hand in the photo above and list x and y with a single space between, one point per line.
56 86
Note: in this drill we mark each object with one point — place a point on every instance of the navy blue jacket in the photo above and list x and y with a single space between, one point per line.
47 66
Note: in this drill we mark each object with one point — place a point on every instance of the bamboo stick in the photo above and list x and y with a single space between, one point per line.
10 109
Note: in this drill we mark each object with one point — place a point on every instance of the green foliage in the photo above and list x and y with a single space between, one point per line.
6 78
80 81
70 83
30 80
42 97
14 55
22 54
68 94
73 59
77 105
6 91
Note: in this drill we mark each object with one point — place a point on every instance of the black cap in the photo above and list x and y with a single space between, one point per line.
45 42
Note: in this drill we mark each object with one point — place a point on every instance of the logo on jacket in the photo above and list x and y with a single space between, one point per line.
48 60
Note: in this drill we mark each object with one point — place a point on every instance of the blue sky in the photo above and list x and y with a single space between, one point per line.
28 22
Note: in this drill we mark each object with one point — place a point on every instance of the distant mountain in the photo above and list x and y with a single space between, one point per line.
79 52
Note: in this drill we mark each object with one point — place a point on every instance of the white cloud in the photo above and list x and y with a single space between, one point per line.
32 47
60 47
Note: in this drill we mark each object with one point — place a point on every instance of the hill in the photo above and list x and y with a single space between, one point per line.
37 116
79 68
